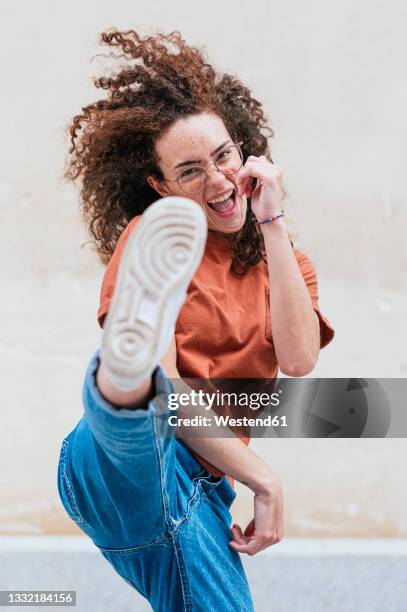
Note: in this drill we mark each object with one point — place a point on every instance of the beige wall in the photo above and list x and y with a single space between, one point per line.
332 79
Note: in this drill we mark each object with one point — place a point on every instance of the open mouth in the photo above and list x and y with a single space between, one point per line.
226 206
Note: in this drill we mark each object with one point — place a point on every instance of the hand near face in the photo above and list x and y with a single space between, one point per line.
267 193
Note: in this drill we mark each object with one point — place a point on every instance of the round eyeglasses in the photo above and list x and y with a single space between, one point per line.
193 179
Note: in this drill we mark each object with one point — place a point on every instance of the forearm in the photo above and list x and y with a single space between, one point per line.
295 324
225 451
234 458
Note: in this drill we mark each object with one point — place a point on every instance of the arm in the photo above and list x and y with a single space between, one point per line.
232 456
296 333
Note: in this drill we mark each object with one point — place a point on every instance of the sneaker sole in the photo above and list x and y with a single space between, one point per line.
160 256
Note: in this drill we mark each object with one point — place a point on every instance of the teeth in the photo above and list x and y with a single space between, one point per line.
222 198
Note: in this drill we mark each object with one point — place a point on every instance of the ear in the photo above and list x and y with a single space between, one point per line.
160 187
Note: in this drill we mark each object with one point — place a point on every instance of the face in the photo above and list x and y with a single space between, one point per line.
196 138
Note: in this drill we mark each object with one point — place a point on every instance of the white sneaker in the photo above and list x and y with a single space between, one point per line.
157 265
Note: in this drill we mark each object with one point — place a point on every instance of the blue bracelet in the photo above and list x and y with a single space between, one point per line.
270 219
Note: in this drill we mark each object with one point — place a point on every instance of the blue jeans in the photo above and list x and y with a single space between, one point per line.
156 514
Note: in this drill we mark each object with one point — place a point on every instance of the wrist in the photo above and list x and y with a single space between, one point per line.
274 227
265 483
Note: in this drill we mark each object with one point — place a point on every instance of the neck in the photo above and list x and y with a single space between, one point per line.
222 234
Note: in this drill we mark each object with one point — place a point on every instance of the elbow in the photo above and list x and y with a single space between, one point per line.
305 361
299 369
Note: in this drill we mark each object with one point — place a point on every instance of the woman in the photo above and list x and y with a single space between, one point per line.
157 505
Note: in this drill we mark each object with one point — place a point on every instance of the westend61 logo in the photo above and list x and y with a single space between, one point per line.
254 401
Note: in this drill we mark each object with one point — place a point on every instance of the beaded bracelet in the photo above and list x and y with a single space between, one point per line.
270 219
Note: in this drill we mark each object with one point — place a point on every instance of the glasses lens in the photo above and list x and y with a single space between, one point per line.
229 161
192 180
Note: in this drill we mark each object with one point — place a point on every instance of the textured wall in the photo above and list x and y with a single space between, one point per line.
332 80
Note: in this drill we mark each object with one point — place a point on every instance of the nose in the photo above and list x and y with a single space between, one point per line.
215 176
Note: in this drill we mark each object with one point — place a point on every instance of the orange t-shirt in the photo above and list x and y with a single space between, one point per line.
224 329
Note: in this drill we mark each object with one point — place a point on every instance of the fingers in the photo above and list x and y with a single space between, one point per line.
241 541
249 531
255 544
238 534
250 548
259 168
251 169
245 185
245 182
251 543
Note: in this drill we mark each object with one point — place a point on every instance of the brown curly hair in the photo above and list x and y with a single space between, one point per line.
161 80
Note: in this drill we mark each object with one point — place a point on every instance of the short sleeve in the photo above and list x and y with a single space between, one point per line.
109 278
327 331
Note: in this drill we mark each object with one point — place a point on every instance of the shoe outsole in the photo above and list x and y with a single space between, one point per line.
160 256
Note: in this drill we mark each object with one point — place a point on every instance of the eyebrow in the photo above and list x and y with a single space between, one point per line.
198 161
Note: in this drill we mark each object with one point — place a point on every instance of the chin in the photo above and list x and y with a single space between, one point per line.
227 230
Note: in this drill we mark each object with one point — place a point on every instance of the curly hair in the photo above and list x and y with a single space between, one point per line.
160 80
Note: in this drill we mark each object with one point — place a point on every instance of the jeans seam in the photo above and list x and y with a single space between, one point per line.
123 551
164 496
186 591
64 469
193 500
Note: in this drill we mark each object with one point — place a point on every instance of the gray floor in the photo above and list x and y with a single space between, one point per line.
297 575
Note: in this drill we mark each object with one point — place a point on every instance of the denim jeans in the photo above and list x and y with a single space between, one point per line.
155 513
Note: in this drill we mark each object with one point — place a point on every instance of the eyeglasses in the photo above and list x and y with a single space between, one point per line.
193 180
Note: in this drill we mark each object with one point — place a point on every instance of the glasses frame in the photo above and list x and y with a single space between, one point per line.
205 168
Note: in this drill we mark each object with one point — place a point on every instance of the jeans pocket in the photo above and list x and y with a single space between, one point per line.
209 483
65 488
